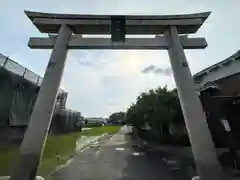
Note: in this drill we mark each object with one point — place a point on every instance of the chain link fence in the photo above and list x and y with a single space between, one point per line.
18 69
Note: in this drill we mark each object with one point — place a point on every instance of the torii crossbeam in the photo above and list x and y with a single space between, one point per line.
170 34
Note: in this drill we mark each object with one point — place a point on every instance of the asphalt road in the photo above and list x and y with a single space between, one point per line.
118 158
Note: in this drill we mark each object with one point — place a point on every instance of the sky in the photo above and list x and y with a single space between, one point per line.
100 82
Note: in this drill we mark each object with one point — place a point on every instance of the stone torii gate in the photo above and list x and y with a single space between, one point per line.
169 30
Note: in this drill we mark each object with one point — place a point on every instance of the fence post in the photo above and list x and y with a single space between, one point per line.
6 60
37 80
24 72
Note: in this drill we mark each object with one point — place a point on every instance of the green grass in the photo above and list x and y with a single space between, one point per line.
61 146
8 155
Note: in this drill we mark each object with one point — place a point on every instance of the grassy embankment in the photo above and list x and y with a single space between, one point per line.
61 146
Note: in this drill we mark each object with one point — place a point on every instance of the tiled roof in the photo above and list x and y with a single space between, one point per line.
217 65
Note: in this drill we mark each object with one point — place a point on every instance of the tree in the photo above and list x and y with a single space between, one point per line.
117 118
156 109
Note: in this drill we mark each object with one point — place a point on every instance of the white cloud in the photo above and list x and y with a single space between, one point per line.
112 83
100 82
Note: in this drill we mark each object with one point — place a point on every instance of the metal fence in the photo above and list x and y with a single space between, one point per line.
19 89
18 69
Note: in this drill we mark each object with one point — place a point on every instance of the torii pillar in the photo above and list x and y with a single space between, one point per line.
32 146
194 116
171 26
